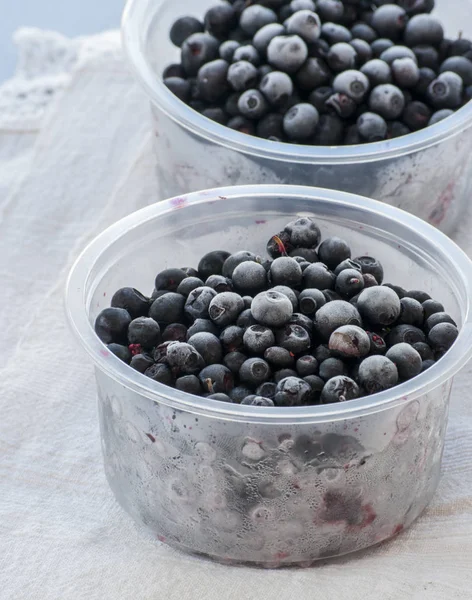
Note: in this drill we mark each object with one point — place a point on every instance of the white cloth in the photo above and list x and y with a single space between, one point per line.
68 168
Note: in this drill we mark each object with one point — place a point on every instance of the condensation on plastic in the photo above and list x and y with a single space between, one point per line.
426 173
277 486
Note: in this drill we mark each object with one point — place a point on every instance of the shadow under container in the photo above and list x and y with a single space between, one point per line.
269 486
426 173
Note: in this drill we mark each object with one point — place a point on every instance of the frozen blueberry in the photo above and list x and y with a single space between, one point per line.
442 336
249 277
219 397
200 325
212 263
198 49
363 50
242 75
407 360
349 341
334 314
267 390
184 358
252 104
339 389
286 271
303 232
331 295
304 256
379 305
380 45
169 279
445 91
235 259
387 100
175 332
255 17
389 20
141 362
332 251
436 318
272 308
397 129
208 345
179 87
430 307
302 321
364 32
460 65
217 114
334 33
247 53
427 364
227 50
216 379
183 28
277 87
219 283
160 352
292 391
232 338
220 20
161 373
306 365
322 352
234 360
198 303
225 308
270 127
287 53
296 5
427 56
418 295
405 333
293 338
330 10
239 393
423 29
132 301
254 400
313 74
145 332
395 52
377 373
424 350
246 319
263 37
318 276
372 266
173 70
405 72
427 76
439 115
306 24
352 83
416 115
122 352
377 343
279 358
341 56
343 105
372 127
310 300
332 367
258 338
411 312
254 371
330 131
349 282
112 324
189 284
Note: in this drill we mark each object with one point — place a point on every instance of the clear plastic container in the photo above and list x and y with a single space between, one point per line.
426 173
274 486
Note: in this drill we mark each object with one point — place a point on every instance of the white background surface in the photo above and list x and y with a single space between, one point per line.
70 17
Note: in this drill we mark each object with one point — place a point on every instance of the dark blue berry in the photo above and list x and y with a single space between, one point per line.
427 364
216 379
430 307
423 29
179 87
308 255
249 277
306 24
200 325
439 115
198 49
424 350
339 389
411 312
377 71
219 283
334 33
279 358
286 271
212 80
122 352
377 373
313 73
387 100
160 373
145 332
247 53
405 72
332 367
380 45
395 52
310 300
272 309
220 20
318 276
343 105
189 284
212 263
277 87
246 319
271 127
445 91
132 301
267 390
258 338
175 332
184 358
289 293
349 282
169 279
255 17
141 362
287 53
294 338
334 314
219 397
436 318
263 37
208 346
254 371
198 303
227 50
306 365
349 341
112 324
235 259
379 305
332 251
183 28
322 352
232 338
407 360
225 308
234 361
427 56
389 20
363 50
377 343
168 308
352 83
238 393
242 76
319 96
341 56
292 391
405 333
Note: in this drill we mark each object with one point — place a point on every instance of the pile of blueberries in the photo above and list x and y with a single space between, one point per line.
310 325
320 72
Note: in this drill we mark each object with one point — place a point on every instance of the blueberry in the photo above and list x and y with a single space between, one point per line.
263 37
200 325
319 96
287 53
330 131
179 87
160 373
296 5
331 295
303 321
417 295
322 352
304 256
445 91
141 362
411 313
343 105
272 308
220 20
436 318
414 7
279 358
212 263
427 364
183 28
231 104
430 307
184 358
219 283
427 56
198 303
396 52
341 56
173 70
258 338
198 49
424 350
339 389
254 371
349 282
397 129
242 75
389 20
460 47
387 100
349 341
227 50
306 365
246 319
189 284
318 276
439 115
254 400
332 367
405 333
239 393
132 301
377 373
407 360
364 32
313 73
405 72
169 279
160 352
225 308
219 397
232 338
208 345
286 271
145 332
372 127
334 314
416 115
249 277
310 300
379 305
293 338
292 391
267 390
316 384
423 29
112 324
276 87
252 104
372 266
303 232
234 360
363 50
306 24
255 17
175 332
247 53
332 251
377 343
122 352
352 83
236 259
334 33
380 45
216 379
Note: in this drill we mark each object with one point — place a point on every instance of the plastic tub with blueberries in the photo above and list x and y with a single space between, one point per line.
281 485
426 172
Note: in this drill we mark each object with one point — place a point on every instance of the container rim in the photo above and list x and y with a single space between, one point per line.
77 295
132 37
